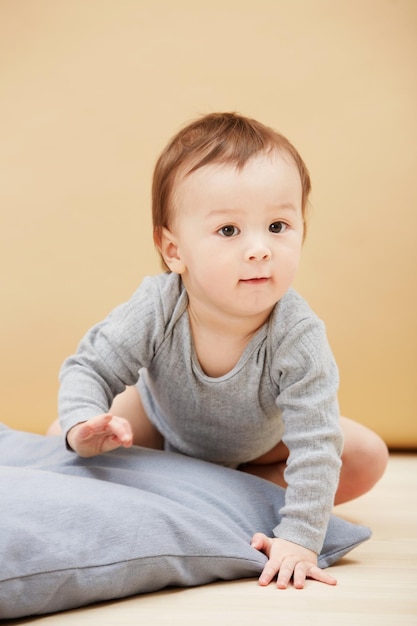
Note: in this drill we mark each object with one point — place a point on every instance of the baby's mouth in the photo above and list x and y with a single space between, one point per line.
255 281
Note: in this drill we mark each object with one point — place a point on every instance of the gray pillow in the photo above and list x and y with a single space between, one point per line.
76 531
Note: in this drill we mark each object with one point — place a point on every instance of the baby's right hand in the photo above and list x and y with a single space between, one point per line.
100 434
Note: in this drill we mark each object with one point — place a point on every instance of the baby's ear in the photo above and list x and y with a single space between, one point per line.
168 247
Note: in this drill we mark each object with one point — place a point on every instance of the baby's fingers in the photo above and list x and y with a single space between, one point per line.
308 570
100 434
261 542
288 561
107 425
121 429
94 426
288 568
299 572
264 544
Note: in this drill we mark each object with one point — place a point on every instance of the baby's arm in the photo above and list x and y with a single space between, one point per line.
288 560
107 361
307 380
100 434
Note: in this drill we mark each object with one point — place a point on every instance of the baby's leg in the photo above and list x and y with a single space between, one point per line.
270 466
129 405
364 459
54 429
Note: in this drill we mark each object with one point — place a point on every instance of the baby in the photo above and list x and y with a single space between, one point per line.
218 357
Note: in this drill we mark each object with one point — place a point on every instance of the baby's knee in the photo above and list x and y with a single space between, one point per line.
376 455
54 429
364 457
366 454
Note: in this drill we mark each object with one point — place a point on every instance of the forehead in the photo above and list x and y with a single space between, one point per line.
273 174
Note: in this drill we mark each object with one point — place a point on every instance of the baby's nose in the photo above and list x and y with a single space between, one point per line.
258 252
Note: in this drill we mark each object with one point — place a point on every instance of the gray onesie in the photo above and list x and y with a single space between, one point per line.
284 387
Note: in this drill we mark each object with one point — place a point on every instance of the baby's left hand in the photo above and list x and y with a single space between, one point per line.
288 560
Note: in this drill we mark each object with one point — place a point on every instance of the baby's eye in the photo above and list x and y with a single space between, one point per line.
278 227
228 231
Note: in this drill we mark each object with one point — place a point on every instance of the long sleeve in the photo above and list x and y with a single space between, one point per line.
110 356
308 382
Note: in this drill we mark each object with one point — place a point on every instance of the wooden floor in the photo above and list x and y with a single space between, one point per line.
377 582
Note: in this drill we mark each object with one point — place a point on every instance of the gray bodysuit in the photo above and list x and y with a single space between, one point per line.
284 387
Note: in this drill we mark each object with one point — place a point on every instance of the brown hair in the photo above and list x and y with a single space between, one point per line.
219 138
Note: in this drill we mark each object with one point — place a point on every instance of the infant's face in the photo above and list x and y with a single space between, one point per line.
238 234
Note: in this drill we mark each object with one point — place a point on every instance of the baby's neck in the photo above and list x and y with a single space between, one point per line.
220 342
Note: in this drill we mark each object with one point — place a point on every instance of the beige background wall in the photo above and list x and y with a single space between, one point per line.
90 91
